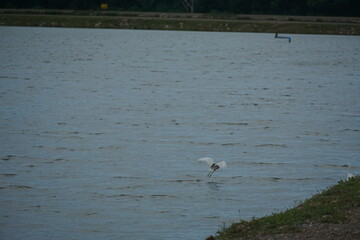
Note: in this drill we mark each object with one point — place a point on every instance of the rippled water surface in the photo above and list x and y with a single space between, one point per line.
101 130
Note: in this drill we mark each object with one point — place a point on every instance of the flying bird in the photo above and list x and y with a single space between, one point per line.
213 166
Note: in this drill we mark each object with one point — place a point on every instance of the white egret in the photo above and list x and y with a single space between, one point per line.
213 166
349 175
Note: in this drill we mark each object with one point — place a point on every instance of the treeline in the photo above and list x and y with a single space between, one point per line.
284 7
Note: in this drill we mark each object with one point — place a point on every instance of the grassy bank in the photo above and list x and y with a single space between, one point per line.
332 206
178 21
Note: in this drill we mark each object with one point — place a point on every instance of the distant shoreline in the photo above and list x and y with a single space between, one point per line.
180 21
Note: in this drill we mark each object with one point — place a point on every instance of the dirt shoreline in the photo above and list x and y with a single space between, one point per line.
180 21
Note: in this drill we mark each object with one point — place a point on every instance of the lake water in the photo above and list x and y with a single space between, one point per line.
101 130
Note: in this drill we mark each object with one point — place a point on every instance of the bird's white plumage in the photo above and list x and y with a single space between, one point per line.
348 175
208 160
221 164
213 166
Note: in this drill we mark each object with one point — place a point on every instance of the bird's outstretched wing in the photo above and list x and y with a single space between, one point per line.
208 160
221 164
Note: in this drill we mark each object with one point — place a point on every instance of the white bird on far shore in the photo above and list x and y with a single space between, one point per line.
213 166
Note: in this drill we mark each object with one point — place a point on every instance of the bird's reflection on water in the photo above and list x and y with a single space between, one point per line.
214 186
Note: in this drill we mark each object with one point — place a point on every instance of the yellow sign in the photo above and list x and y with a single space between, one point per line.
104 6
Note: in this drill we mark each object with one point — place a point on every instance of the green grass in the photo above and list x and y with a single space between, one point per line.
329 206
